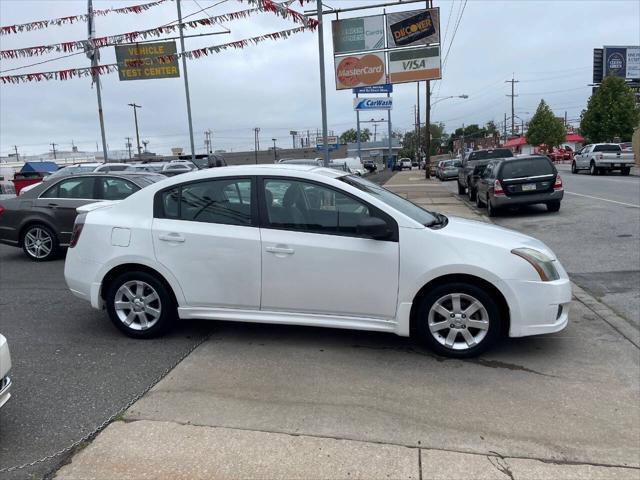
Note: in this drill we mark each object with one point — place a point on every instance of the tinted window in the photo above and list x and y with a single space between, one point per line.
7 188
526 168
400 204
117 188
485 154
310 207
607 148
226 201
81 187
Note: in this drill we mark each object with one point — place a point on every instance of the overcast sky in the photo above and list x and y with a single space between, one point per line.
547 45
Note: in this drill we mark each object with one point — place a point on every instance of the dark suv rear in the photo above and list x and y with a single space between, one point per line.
519 181
473 165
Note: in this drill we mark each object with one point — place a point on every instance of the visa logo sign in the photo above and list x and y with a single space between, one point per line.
380 103
414 65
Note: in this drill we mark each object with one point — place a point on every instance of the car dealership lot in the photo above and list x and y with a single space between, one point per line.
568 397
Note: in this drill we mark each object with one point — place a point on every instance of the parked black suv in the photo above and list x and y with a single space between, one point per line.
473 165
519 181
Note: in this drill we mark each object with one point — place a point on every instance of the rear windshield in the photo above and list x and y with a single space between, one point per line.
611 147
529 167
495 153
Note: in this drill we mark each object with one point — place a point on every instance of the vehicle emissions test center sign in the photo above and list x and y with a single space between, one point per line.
373 103
358 34
138 61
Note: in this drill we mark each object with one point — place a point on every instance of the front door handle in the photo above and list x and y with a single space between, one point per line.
53 205
280 250
171 237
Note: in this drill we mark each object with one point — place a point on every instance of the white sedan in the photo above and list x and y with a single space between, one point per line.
290 244
5 367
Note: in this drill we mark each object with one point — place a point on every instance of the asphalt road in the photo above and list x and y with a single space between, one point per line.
596 235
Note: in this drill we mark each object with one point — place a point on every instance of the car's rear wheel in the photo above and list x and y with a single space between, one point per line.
140 305
593 170
479 203
471 191
625 170
459 320
461 190
491 210
574 169
553 206
40 243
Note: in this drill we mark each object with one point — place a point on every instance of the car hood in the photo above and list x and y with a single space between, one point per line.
490 234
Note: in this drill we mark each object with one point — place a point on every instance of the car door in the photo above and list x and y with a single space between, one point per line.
314 261
484 181
206 233
582 158
61 200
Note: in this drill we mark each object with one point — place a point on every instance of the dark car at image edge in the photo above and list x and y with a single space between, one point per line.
41 221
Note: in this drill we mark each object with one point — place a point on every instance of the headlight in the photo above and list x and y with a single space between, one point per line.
541 262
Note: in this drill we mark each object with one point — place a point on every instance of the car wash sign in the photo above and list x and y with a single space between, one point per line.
139 61
414 64
373 103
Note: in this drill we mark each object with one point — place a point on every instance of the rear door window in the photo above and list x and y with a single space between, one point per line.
117 188
72 188
529 167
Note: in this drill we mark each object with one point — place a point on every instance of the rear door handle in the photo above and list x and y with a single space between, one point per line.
171 237
280 250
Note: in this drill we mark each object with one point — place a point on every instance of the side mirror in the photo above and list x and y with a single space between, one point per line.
373 227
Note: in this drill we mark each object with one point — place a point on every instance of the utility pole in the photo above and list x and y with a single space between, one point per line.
94 55
186 81
293 134
565 120
275 155
135 119
323 91
427 122
207 140
128 146
375 132
145 143
53 145
256 142
513 82
505 127
462 144
15 147
418 120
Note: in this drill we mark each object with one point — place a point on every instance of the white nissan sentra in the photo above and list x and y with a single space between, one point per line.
306 245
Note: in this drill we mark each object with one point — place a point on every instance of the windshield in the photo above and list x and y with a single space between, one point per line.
402 205
608 147
486 154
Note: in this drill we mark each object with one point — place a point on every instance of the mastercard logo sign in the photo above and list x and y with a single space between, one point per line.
361 70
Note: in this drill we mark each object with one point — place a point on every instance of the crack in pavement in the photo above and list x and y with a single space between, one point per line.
501 465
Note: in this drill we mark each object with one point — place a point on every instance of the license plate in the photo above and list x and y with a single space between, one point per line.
527 187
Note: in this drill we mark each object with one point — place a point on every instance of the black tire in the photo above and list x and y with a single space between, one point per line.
168 308
45 232
553 206
479 203
625 171
472 192
491 210
574 169
593 170
490 305
461 189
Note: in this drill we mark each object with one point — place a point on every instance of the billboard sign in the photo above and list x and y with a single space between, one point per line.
414 65
332 142
622 62
358 34
375 103
137 61
416 27
360 70
387 88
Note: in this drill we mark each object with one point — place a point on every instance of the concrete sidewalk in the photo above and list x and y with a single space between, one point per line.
263 401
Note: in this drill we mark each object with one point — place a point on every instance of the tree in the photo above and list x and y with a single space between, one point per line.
611 112
409 141
351 136
544 128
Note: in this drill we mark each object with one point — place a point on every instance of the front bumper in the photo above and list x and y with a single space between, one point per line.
538 307
526 199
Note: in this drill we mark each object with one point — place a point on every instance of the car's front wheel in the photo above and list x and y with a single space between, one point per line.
459 320
574 169
461 189
40 243
140 305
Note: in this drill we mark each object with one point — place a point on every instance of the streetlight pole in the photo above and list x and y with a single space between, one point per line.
323 90
135 119
275 155
186 82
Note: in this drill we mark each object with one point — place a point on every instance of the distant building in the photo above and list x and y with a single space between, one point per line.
519 145
376 151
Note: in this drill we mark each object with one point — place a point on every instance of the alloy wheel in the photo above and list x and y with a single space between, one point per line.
458 321
38 242
137 305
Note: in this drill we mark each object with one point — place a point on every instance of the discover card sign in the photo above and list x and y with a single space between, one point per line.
417 27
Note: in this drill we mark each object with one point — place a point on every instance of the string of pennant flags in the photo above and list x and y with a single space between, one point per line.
80 45
40 24
113 67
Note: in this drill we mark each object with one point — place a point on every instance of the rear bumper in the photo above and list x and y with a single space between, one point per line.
527 199
79 273
605 164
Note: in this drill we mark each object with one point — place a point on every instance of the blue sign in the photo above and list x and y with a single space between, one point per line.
388 88
373 103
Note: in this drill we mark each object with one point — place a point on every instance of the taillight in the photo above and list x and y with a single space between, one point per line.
558 184
1 210
77 229
497 188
